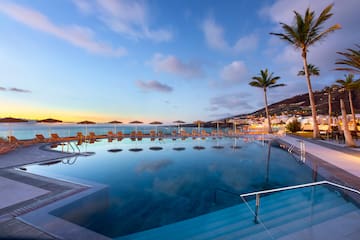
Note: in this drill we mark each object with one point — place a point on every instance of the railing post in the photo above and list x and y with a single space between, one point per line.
256 220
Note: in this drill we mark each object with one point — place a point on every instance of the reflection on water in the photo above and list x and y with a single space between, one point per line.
148 189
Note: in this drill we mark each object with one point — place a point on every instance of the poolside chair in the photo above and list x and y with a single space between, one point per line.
204 133
139 135
54 137
80 136
14 140
160 135
132 135
152 133
40 138
184 134
194 133
120 135
110 134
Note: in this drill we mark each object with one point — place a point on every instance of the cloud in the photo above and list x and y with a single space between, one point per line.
19 90
214 37
130 18
322 54
246 43
233 73
76 35
153 86
231 102
171 64
84 6
153 166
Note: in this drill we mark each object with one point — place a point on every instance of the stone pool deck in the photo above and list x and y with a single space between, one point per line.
30 189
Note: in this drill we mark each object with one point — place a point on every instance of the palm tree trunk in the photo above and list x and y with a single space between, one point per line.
352 109
348 138
316 133
330 111
267 111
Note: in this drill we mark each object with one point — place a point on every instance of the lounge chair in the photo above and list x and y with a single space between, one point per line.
194 133
139 135
204 133
110 134
184 134
40 138
14 140
152 133
133 135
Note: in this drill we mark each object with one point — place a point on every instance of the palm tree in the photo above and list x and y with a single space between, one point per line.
348 85
265 81
313 71
328 91
352 60
305 32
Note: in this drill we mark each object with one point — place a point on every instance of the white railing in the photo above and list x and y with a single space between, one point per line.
257 194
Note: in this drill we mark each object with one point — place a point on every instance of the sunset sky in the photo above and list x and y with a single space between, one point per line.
155 60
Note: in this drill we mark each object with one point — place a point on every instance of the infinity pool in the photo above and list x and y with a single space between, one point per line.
162 182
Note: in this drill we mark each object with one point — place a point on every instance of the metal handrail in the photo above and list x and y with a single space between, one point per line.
300 186
257 194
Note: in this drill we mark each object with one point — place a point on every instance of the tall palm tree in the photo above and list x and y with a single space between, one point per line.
352 60
348 85
265 81
328 91
312 69
305 32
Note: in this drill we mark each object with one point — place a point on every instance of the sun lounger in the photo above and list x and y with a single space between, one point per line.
14 140
40 138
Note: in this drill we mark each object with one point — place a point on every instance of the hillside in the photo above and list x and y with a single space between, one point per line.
300 104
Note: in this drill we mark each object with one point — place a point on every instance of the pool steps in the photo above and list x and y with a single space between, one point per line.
283 213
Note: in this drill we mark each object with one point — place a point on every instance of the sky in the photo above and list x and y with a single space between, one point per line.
161 60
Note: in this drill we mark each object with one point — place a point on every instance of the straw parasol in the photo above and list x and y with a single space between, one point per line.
217 124
179 122
136 122
156 123
198 123
86 122
115 122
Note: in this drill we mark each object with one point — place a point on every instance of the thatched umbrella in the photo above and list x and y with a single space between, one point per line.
115 122
156 123
198 123
179 122
86 122
136 123
217 125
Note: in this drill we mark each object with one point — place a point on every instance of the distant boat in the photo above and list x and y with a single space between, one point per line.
12 120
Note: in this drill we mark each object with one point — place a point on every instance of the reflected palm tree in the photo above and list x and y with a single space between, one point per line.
305 32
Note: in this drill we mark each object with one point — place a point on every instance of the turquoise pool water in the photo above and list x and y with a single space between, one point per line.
152 188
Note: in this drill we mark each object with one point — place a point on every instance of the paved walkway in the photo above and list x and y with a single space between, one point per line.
342 157
32 154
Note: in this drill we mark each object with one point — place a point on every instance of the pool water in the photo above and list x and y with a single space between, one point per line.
152 188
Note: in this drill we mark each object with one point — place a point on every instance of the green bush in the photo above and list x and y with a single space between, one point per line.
293 126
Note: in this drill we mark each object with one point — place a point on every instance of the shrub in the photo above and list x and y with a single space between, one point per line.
294 126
